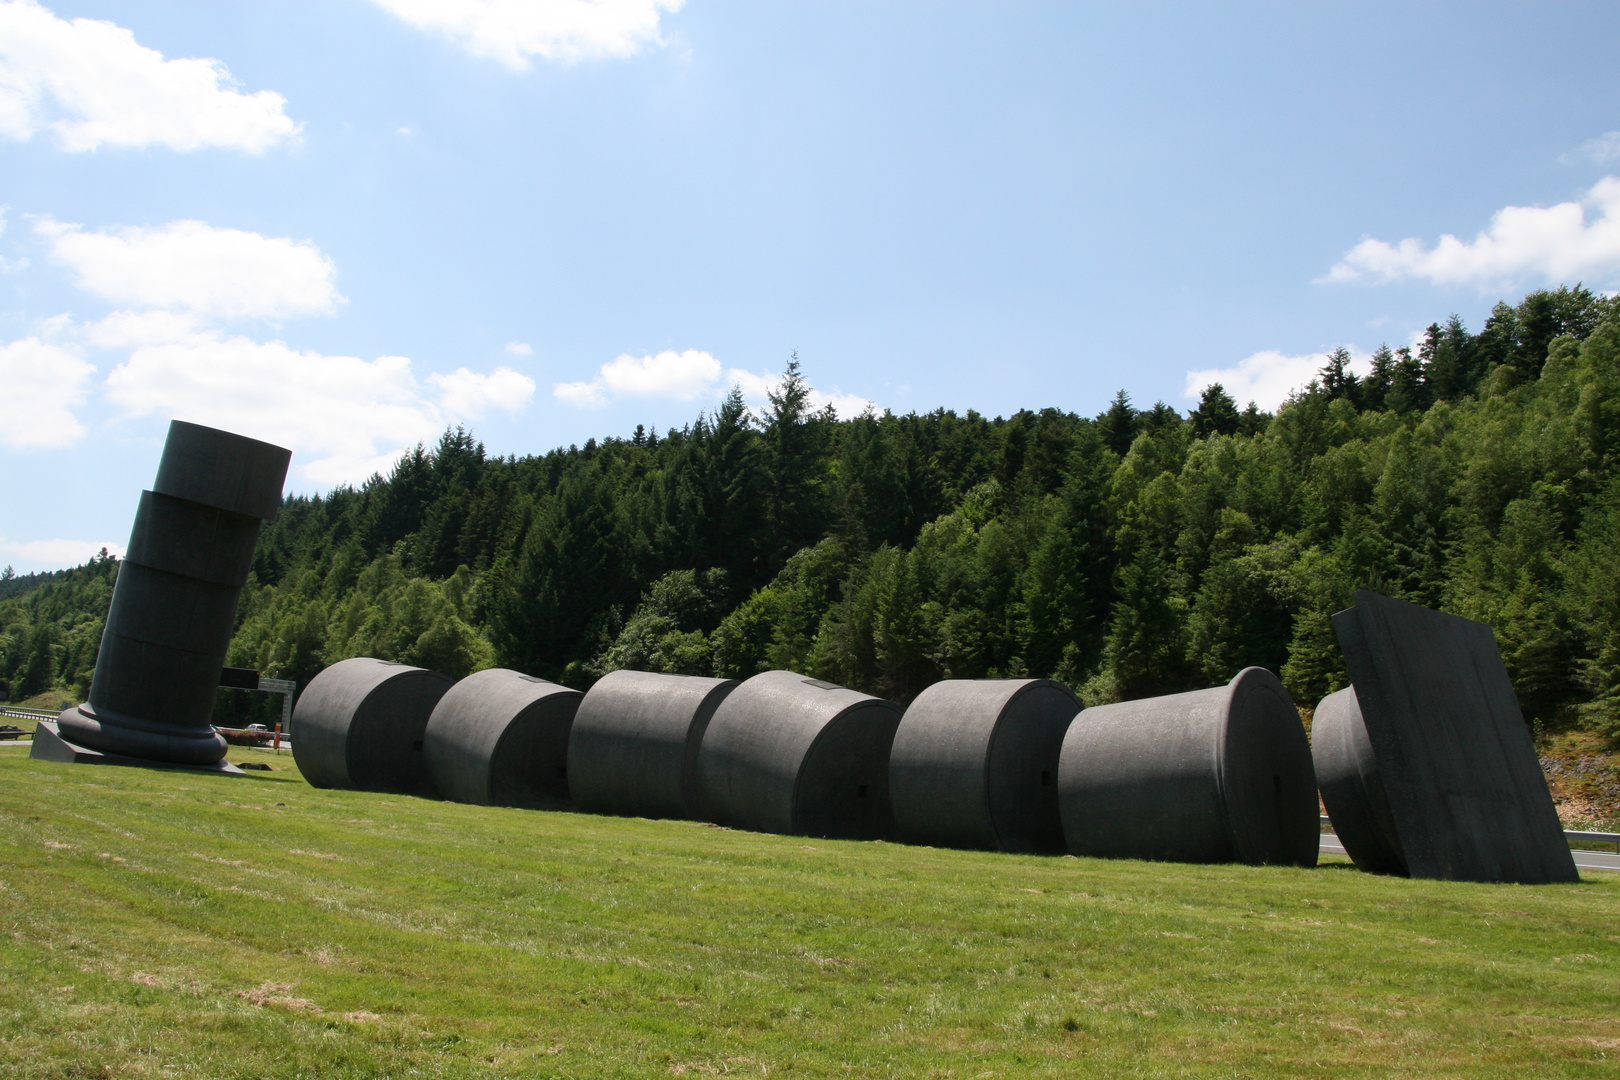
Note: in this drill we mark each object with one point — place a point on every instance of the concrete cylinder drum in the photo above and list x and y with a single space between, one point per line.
790 754
500 738
635 740
1352 790
174 604
975 763
361 724
1219 775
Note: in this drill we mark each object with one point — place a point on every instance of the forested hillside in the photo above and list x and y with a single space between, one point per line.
1132 553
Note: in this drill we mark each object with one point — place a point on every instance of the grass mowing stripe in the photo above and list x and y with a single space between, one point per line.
166 923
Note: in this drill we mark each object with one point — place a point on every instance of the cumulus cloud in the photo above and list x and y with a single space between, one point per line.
58 552
513 31
519 348
757 387
90 84
468 394
351 416
1567 242
683 375
1267 378
43 384
687 376
194 267
1602 150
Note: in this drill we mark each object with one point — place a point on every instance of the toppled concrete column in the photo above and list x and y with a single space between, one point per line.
1352 790
500 738
789 754
1219 775
360 725
1466 796
174 605
634 745
975 764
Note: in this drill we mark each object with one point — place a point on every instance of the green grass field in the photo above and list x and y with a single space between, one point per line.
167 924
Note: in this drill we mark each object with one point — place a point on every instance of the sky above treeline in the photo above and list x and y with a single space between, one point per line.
346 225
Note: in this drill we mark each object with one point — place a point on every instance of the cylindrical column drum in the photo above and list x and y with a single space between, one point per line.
1216 775
500 738
174 605
360 724
634 747
975 764
1347 773
789 754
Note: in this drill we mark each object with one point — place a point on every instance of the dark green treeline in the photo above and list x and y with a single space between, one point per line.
1138 552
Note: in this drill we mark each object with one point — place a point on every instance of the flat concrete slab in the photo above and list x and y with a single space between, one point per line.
48 745
1584 860
1465 793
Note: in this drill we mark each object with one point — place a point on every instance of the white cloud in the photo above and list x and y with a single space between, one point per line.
91 84
43 384
682 375
58 553
1552 244
519 348
513 31
1602 150
687 376
194 267
757 388
468 394
345 417
1267 378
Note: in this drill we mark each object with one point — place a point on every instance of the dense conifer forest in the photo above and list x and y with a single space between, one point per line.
1132 553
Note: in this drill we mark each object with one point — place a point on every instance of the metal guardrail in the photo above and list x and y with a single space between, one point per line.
27 714
1569 834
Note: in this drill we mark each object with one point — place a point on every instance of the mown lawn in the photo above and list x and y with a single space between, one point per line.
173 924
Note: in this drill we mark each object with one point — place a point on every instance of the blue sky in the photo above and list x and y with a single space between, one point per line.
344 225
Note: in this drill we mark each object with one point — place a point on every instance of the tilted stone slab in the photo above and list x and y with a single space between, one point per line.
1465 791
500 738
1218 775
634 745
789 754
360 725
975 764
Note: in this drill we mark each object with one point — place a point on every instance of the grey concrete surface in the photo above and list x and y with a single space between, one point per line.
974 764
500 738
174 604
1584 860
1218 775
361 725
785 753
634 746
49 745
1352 791
1465 792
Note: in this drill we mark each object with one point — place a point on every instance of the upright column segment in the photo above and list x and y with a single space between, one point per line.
174 606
